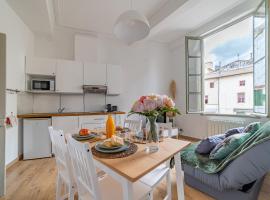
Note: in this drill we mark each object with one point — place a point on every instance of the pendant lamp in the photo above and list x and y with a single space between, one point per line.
131 26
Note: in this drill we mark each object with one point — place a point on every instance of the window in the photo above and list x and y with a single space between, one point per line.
241 97
242 83
218 63
206 99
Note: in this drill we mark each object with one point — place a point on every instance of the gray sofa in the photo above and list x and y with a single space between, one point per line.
240 180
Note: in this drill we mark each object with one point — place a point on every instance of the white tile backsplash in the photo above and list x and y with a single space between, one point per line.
25 103
94 102
72 103
46 103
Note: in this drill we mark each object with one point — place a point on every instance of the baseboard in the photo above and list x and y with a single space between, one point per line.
192 139
20 157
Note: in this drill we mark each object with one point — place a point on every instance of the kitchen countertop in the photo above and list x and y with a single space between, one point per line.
48 115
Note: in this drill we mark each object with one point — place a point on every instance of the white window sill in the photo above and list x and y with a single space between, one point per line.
255 115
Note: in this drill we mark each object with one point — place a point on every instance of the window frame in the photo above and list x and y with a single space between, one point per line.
219 29
187 57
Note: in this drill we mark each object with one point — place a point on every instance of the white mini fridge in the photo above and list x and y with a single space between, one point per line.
36 138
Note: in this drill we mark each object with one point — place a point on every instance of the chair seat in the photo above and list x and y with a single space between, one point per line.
153 178
111 189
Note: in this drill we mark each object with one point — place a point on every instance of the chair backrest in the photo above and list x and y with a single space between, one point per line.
133 125
62 156
166 126
85 171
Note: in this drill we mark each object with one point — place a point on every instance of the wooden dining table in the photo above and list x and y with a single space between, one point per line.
130 169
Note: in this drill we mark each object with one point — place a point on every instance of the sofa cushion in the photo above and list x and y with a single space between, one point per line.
208 144
233 131
252 127
209 179
228 145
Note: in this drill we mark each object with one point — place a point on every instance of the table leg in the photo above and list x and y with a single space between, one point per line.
168 182
127 190
179 177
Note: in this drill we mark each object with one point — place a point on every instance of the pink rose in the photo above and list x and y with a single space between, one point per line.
138 107
159 101
168 102
149 104
142 98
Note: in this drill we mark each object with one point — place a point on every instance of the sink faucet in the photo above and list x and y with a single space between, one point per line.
60 110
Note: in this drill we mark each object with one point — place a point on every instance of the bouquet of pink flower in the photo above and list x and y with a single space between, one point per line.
154 105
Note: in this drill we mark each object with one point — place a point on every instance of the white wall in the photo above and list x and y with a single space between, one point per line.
19 44
146 69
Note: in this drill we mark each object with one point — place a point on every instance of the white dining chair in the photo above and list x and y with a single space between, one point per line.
153 178
133 124
65 176
89 187
166 127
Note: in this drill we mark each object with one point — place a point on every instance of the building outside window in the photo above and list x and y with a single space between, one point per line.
232 56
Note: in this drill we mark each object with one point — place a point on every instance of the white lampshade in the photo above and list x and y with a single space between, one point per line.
131 26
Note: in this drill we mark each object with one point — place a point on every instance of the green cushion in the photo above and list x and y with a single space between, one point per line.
225 148
252 127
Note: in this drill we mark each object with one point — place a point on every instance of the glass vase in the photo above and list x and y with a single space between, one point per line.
152 135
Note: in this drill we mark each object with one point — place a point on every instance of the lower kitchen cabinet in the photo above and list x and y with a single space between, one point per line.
93 121
72 124
69 124
36 138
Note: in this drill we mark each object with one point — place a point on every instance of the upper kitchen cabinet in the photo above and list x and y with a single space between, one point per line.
69 76
40 66
114 79
94 73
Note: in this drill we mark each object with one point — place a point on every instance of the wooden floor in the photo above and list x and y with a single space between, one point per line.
35 180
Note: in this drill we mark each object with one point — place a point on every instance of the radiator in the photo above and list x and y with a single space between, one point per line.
218 126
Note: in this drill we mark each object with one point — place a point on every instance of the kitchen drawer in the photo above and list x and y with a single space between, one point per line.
93 126
69 124
93 119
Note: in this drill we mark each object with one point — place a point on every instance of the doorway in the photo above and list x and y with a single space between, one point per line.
2 113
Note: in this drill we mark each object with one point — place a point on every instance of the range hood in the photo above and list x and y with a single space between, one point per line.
99 89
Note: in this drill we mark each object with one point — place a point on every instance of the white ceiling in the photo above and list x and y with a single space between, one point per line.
37 14
100 15
170 19
189 17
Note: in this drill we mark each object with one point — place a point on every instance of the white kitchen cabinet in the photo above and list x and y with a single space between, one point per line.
69 76
69 124
93 121
94 73
41 66
36 138
114 79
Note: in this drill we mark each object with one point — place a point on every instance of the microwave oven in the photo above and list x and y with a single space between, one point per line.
43 84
